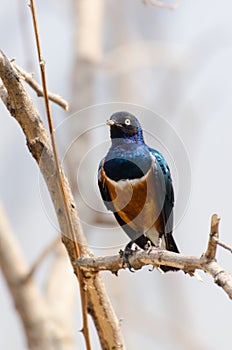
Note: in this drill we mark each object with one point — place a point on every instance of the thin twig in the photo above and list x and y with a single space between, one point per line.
160 4
28 77
222 244
78 271
41 257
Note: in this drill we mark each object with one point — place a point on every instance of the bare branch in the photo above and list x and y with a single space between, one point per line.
221 277
23 110
21 107
60 178
222 244
138 259
156 258
28 77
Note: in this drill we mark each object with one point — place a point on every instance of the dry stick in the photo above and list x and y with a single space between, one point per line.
222 244
214 233
158 257
82 288
140 258
38 88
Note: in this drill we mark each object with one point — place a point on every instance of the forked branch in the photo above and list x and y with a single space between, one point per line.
60 179
23 110
158 257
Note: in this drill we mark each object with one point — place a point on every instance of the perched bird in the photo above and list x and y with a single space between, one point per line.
136 185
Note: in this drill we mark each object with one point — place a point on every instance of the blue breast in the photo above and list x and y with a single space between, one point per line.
127 162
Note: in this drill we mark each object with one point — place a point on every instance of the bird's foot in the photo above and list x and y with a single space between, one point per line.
148 247
125 254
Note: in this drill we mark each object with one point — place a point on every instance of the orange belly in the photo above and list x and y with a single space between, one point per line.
138 202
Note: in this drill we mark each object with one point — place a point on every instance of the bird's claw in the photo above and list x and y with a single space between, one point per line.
148 247
125 254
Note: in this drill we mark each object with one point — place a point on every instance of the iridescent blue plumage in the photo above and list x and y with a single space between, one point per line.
127 161
136 185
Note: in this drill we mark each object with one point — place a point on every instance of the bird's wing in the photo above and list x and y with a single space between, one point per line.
163 180
103 188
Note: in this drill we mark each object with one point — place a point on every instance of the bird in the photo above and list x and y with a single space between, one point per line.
135 184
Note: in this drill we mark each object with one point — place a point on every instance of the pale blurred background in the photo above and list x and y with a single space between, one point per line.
173 70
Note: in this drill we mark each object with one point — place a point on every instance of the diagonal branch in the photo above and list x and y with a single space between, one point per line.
223 245
60 178
21 107
28 77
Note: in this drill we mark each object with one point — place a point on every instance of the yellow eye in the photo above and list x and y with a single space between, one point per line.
127 121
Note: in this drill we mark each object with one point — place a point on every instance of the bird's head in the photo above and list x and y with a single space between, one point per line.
124 125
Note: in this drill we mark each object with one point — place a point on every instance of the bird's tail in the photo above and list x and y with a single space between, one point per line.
172 247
